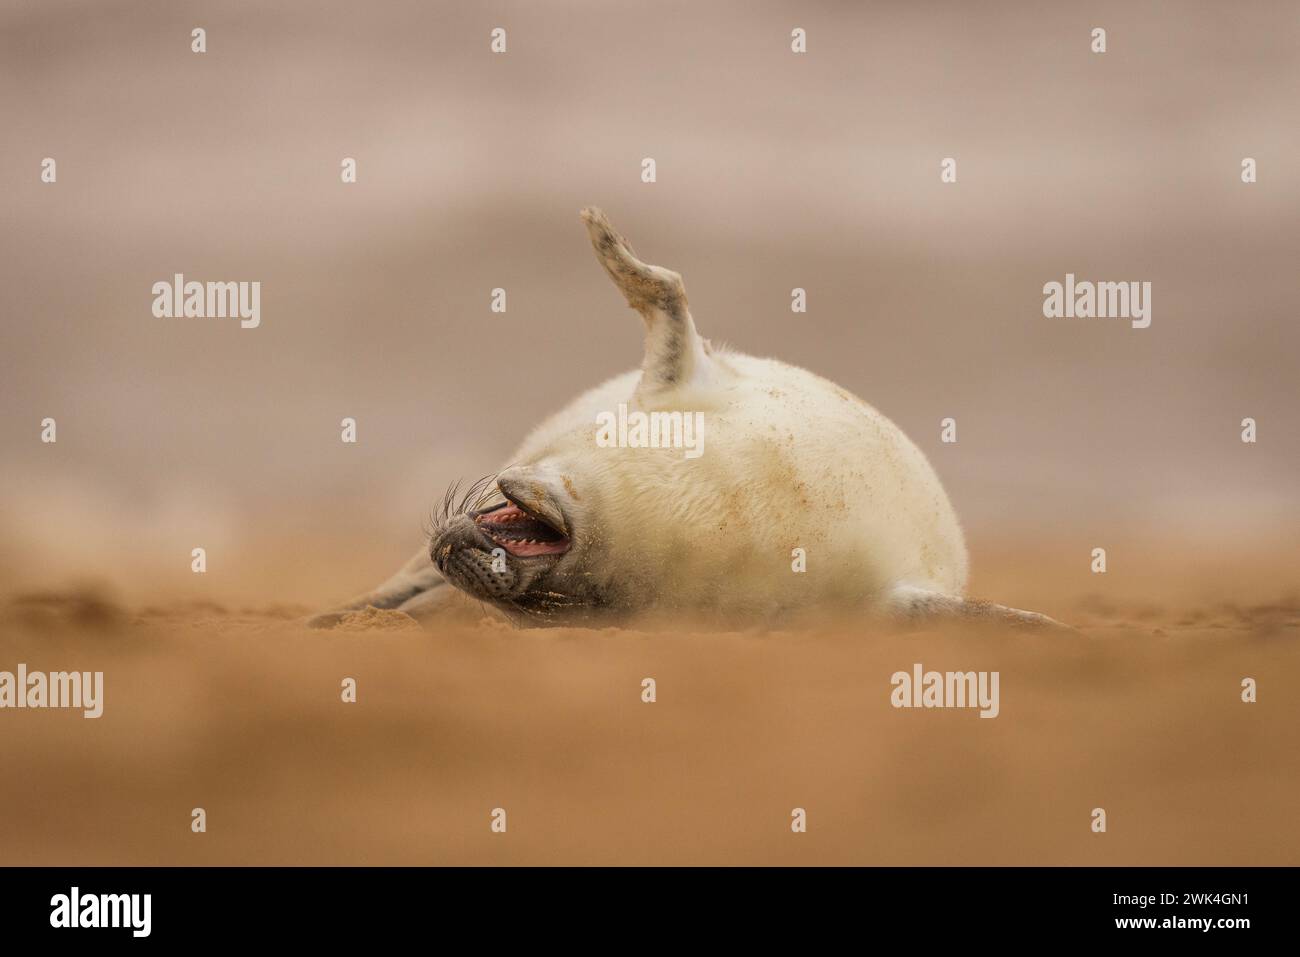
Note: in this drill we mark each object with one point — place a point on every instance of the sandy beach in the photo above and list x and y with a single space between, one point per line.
238 710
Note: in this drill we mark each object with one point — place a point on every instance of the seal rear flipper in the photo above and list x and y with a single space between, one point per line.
910 603
675 354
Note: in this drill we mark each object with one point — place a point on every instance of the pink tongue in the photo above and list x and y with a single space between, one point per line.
528 549
499 526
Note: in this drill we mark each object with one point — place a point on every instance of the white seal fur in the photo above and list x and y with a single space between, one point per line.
793 469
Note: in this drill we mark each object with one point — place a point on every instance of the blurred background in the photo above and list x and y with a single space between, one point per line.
775 170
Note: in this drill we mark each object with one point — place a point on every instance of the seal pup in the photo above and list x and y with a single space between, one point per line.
795 496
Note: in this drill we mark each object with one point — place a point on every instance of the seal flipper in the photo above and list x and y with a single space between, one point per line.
909 603
417 577
675 355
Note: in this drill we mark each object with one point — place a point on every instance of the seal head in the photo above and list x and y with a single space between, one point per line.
510 542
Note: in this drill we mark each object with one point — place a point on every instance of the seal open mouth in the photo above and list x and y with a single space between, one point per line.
521 533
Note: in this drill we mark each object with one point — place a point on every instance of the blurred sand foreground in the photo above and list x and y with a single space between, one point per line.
239 712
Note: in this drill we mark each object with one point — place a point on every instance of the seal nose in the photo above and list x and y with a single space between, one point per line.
459 533
468 560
